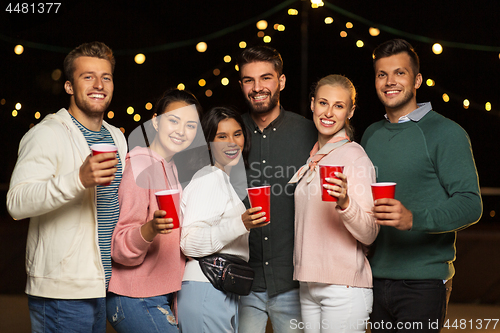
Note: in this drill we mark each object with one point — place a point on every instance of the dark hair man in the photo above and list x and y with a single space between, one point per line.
281 142
437 194
58 184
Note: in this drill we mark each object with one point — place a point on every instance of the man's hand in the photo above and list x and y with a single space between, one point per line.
392 213
99 169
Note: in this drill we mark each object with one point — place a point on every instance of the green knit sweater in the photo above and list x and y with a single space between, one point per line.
431 161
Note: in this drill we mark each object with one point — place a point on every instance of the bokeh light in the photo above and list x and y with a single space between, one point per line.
216 72
137 117
37 115
227 58
360 43
430 82
208 93
262 25
446 98
130 110
437 48
328 20
139 58
111 114
343 34
293 12
267 39
224 81
181 86
18 49
374 31
202 82
349 25
56 74
487 106
201 47
466 103
18 106
242 44
148 106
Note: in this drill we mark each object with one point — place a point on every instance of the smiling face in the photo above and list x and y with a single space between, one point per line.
92 87
228 143
261 86
331 107
176 129
396 83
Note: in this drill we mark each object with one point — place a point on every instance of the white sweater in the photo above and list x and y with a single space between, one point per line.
212 220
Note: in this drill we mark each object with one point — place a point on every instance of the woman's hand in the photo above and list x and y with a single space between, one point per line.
338 189
251 219
158 225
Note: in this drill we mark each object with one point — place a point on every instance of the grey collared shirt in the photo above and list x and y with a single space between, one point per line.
415 115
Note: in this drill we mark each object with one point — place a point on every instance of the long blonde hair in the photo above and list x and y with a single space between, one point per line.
341 81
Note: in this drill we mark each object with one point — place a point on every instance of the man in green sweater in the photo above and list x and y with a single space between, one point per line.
437 194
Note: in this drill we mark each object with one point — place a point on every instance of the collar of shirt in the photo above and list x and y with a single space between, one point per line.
275 124
415 115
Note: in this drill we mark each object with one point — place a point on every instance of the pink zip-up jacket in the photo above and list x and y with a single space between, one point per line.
330 244
142 268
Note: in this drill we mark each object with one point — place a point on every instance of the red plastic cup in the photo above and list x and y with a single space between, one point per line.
101 148
383 190
261 197
168 201
328 171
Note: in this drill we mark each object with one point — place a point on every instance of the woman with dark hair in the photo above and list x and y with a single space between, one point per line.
148 264
215 221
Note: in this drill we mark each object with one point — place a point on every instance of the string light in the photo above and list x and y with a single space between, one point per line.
293 12
18 106
267 39
14 113
202 82
374 31
216 72
430 82
208 93
227 59
139 58
446 98
281 27
261 34
242 44
466 103
148 106
487 106
349 25
224 81
201 47
328 20
343 34
37 115
130 110
360 43
262 25
111 115
18 49
181 86
56 74
437 48
137 117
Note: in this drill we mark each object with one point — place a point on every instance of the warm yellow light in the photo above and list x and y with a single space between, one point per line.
360 43
14 113
261 34
492 213
201 47
343 34
349 25
181 86
317 3
374 31
18 106
437 48
275 26
430 82
139 58
216 72
122 129
202 82
18 49
237 67
292 12
314 5
262 25
56 74
446 98
281 27
328 20
3 101
267 39
227 58
111 114
37 115
130 110
224 81
148 106
487 106
208 93
242 44
466 103
137 117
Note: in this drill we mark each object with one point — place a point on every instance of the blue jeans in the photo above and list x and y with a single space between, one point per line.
67 315
147 315
409 305
283 310
202 308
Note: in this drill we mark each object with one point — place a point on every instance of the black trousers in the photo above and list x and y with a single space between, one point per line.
409 305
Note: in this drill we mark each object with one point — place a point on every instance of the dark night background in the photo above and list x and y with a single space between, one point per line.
168 31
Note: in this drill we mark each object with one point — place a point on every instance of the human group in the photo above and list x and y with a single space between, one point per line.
99 248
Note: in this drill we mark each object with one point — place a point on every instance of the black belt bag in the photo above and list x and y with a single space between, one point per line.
228 273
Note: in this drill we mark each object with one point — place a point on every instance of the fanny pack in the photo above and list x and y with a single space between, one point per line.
227 273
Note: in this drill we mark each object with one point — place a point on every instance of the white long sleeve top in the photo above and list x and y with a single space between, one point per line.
212 220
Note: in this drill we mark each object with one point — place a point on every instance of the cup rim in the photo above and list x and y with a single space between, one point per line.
166 192
384 184
104 147
258 187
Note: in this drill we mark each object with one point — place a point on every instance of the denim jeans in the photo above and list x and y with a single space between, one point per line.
335 308
202 308
146 315
409 305
67 315
283 310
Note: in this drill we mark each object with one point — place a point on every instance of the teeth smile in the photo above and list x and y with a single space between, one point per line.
260 97
392 92
327 122
96 95
231 153
177 141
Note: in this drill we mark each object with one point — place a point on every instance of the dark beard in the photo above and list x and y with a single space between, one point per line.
263 108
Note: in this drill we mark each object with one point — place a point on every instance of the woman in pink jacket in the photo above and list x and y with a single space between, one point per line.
148 264
331 238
